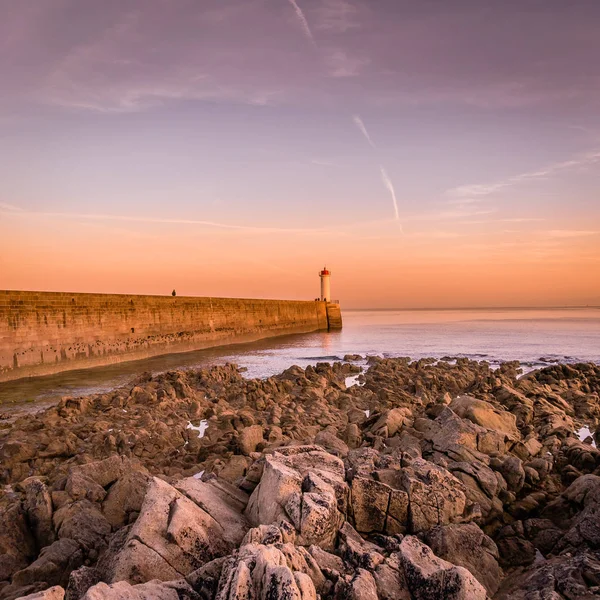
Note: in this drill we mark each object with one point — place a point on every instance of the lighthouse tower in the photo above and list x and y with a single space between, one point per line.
325 285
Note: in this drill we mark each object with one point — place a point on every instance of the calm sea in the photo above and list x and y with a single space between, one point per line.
536 337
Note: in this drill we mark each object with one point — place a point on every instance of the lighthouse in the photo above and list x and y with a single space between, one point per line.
325 285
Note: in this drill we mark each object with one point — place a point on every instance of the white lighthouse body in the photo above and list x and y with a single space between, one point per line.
325 285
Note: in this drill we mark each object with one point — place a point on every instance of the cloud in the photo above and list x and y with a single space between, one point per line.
9 207
342 65
160 220
337 16
303 22
390 187
361 126
480 190
568 233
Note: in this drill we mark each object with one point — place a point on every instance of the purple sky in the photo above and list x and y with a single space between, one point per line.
186 138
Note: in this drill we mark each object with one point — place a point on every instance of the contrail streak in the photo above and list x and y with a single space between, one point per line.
303 22
390 186
167 221
361 126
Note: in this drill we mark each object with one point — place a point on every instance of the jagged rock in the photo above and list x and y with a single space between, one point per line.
152 590
572 577
390 580
54 593
358 551
332 443
250 438
80 581
305 487
467 546
431 578
53 565
89 480
259 571
578 510
84 523
172 537
370 501
125 497
17 545
486 415
38 505
436 497
361 586
389 423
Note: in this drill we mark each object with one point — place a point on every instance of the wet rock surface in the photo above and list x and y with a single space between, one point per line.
429 480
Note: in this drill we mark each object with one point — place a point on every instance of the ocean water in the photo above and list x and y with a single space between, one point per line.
535 337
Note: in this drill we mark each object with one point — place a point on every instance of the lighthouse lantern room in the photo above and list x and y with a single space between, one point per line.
325 285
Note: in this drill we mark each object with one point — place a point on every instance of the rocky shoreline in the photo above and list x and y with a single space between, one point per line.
420 481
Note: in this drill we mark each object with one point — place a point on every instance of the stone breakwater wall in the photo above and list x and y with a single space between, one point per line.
47 332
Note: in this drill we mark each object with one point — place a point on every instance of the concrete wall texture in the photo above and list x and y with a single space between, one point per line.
48 332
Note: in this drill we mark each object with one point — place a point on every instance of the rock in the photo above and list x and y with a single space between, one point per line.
486 415
53 565
223 502
80 581
389 423
17 545
370 501
431 578
152 590
356 550
361 587
390 580
576 577
436 497
260 571
38 505
250 438
125 497
53 593
332 443
306 488
89 480
171 537
467 546
84 523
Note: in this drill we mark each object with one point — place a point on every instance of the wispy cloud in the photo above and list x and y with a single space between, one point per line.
568 233
303 22
361 127
390 187
337 16
384 176
477 190
9 207
342 65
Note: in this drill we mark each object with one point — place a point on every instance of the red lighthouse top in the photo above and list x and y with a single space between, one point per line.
325 272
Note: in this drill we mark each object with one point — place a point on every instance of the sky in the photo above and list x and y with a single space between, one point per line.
430 153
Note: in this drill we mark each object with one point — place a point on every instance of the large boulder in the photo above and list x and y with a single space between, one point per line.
467 546
486 415
435 496
304 486
125 497
431 578
173 535
259 571
53 565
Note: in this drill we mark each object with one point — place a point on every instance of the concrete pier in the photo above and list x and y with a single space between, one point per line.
48 332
